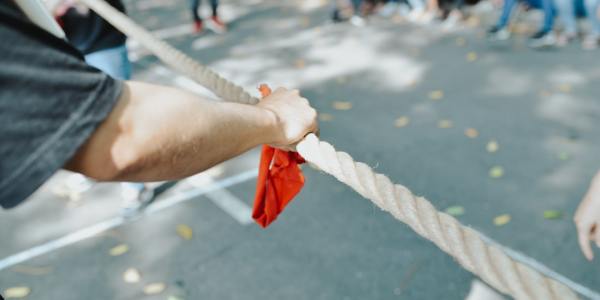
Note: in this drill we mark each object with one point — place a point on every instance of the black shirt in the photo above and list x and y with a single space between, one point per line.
51 102
89 33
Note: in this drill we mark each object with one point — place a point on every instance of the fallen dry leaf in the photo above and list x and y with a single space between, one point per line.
415 51
496 172
342 105
300 64
132 275
445 124
565 88
401 122
471 56
492 146
398 19
305 22
552 214
341 80
325 117
502 220
436 95
473 21
154 288
185 232
544 93
471 133
119 250
16 292
455 210
563 155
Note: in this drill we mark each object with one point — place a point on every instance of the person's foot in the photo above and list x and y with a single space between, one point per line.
566 38
498 33
452 21
590 42
198 26
217 25
358 21
542 39
389 9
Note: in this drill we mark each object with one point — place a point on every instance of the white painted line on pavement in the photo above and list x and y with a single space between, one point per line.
175 31
109 224
233 206
536 265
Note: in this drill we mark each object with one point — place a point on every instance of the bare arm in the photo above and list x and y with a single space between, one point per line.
587 218
160 133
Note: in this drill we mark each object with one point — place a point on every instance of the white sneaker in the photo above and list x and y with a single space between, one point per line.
498 34
451 22
542 40
566 38
358 21
590 42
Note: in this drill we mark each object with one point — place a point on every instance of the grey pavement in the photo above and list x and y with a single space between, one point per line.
541 107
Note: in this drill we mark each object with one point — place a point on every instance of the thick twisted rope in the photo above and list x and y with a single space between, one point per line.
466 245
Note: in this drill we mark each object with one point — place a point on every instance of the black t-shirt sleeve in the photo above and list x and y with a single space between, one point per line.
51 102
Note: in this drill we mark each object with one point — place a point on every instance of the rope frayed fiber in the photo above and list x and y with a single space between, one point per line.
465 244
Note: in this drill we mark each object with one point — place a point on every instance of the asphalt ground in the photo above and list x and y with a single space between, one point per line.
540 107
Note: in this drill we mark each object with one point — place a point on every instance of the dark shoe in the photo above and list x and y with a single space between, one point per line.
542 39
498 34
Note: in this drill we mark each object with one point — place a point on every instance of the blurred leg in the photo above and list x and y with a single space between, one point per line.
566 12
214 5
418 5
507 9
356 5
591 7
549 13
194 5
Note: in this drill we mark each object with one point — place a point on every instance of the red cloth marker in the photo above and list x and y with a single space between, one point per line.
280 179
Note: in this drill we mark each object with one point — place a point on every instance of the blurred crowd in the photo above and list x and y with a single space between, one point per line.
559 25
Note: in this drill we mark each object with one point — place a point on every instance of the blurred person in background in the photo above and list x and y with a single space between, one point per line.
103 47
339 6
59 112
454 11
413 11
215 23
544 37
587 218
569 10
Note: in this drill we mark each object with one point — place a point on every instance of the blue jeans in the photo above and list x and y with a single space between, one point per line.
414 4
569 10
114 62
546 5
195 4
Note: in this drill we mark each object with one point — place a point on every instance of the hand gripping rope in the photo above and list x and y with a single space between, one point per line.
470 248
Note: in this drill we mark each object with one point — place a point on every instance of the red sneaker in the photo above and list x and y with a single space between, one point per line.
217 25
198 26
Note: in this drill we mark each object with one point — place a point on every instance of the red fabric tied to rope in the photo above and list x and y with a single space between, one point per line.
279 180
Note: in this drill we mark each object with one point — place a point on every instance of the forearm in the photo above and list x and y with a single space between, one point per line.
159 133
